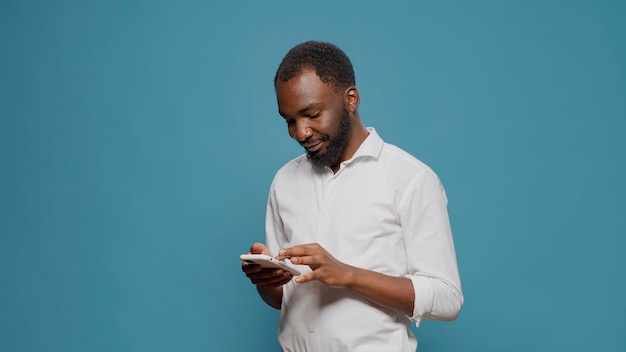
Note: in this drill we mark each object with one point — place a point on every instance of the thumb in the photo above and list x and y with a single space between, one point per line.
259 248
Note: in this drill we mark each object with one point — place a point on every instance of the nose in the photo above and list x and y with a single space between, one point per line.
302 131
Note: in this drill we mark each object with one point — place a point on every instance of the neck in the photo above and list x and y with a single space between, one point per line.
357 136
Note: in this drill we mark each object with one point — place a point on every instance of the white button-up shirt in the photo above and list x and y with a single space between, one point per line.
385 211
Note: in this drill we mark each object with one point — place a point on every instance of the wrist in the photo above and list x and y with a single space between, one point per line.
351 277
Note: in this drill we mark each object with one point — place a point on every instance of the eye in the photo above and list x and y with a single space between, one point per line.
315 115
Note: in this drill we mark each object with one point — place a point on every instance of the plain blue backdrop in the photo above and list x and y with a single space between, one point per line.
138 140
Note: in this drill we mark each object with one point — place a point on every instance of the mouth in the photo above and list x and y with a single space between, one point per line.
313 147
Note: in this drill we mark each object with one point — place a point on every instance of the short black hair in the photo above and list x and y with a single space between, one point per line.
330 63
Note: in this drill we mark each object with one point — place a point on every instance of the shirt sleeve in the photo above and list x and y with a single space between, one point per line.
432 265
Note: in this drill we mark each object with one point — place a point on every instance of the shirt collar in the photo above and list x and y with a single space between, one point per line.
371 146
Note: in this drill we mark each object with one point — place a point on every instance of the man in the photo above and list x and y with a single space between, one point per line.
364 221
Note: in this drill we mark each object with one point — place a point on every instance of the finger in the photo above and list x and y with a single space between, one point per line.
305 260
250 268
259 248
267 274
306 278
297 251
274 284
271 279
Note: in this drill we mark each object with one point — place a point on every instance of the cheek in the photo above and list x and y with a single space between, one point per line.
291 129
330 126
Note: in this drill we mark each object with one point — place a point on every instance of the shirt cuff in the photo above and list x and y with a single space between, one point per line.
424 298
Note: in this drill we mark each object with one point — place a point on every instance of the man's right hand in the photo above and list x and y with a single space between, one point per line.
264 277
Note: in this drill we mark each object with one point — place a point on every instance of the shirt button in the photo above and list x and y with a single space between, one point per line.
311 330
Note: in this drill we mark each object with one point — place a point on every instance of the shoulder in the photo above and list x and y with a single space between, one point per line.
409 174
401 161
295 165
294 168
390 157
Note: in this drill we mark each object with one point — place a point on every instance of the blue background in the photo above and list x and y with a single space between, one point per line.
138 140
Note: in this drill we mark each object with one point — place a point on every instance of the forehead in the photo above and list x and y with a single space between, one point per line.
302 90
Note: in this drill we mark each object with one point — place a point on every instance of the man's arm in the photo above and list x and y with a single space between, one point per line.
395 293
432 265
273 296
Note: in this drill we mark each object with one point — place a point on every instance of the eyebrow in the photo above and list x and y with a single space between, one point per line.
310 106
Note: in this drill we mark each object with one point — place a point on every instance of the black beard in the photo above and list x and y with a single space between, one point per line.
335 146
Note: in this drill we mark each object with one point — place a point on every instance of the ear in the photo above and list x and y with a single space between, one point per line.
352 99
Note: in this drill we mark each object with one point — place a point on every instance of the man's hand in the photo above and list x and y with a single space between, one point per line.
264 277
392 292
326 268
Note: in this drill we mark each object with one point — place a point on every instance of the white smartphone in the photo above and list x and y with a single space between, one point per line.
268 262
